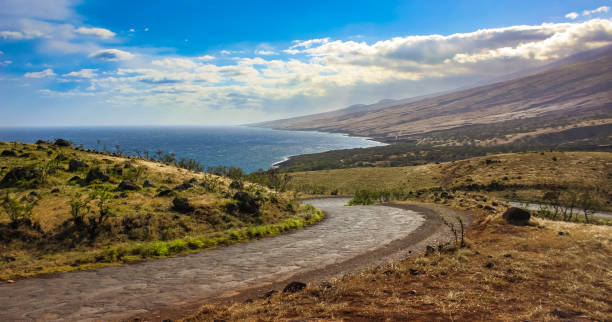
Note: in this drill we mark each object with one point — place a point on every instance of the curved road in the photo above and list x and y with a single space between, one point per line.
126 291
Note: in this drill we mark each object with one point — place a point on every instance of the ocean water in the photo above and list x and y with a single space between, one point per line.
245 147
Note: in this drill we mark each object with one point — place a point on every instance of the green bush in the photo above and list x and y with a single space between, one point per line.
194 243
153 249
177 246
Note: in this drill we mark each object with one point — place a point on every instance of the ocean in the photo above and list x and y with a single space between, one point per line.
245 147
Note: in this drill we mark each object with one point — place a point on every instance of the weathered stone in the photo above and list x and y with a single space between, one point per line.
20 173
96 174
62 142
516 216
148 184
183 186
128 185
182 205
294 287
8 153
246 203
76 165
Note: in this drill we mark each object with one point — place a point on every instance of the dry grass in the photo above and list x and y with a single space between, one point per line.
509 273
519 171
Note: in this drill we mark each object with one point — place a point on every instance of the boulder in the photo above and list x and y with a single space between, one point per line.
294 287
76 165
246 203
128 185
96 174
62 142
182 205
183 186
516 216
20 173
165 193
148 184
8 153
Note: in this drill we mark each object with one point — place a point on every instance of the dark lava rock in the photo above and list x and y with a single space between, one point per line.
96 174
516 216
76 165
20 173
61 157
128 185
165 193
294 287
490 265
182 205
56 190
62 142
9 259
429 250
75 179
246 203
34 194
8 153
147 184
183 186
127 165
193 180
414 271
42 142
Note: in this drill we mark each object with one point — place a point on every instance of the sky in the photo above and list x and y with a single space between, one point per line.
108 62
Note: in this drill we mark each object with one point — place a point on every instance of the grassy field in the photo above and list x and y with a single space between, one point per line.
517 176
56 217
546 271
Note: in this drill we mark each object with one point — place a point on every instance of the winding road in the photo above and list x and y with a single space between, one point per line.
114 293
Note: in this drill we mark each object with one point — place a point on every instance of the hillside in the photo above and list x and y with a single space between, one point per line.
574 92
63 208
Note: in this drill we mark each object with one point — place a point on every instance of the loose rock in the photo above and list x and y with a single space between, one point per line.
182 205
76 165
62 142
128 185
8 153
517 216
20 173
294 287
96 174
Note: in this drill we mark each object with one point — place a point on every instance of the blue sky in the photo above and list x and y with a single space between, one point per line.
69 62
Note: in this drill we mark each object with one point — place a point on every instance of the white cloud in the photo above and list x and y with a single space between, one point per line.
19 35
572 15
6 62
205 57
146 29
98 32
264 52
42 74
111 55
132 30
602 9
83 73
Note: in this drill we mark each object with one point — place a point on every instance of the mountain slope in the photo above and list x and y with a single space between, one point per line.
574 89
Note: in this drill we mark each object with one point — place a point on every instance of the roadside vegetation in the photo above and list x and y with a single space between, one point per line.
63 208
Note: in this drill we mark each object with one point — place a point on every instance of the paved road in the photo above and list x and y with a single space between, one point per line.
125 291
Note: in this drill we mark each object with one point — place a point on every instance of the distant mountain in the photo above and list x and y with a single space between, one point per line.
574 91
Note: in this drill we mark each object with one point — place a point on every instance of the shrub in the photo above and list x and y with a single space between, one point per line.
178 246
158 248
16 210
194 243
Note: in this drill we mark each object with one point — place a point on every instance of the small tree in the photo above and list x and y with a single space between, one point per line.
17 210
588 203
